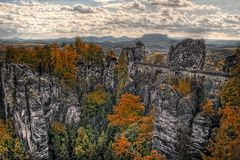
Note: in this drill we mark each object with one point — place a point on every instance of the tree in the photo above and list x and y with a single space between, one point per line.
10 146
230 92
91 146
158 59
226 142
111 55
43 59
96 106
208 108
80 48
135 129
98 97
85 146
128 111
153 156
65 64
93 55
59 141
121 73
121 146
235 70
183 86
10 53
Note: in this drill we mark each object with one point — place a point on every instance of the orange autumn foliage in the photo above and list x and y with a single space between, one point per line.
208 107
121 146
146 130
65 64
226 143
158 59
183 86
111 54
154 156
135 140
129 110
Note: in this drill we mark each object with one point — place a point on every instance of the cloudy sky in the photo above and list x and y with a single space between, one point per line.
211 19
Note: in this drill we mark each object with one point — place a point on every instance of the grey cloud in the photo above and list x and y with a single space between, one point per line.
86 9
138 5
172 3
132 17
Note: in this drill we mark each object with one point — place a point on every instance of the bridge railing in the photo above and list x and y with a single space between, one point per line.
219 74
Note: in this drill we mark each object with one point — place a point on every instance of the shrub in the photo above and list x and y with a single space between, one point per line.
183 86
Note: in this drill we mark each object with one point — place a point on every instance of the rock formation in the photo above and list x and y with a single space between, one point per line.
189 54
35 101
137 53
181 128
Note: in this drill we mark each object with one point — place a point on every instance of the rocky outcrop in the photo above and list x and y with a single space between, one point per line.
136 53
181 129
189 54
34 101
165 131
24 105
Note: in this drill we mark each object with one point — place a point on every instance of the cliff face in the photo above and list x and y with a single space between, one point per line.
35 101
179 120
181 128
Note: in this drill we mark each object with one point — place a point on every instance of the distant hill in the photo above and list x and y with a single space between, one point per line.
155 38
153 42
67 40
107 39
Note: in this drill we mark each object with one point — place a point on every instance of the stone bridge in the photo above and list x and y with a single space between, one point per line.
142 66
151 74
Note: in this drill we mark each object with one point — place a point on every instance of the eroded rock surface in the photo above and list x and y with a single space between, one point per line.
35 101
189 54
182 129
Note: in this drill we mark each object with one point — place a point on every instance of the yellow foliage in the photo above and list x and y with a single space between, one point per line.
230 92
58 127
5 136
53 59
183 86
10 146
98 97
121 71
